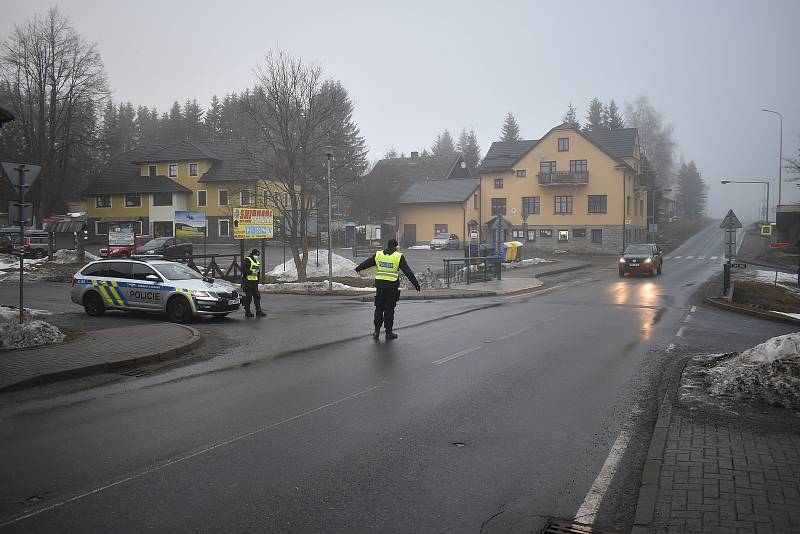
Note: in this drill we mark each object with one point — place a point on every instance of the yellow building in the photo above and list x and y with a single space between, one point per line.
569 190
435 207
150 183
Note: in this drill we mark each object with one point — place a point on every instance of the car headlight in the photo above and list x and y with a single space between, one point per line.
622 260
206 294
649 260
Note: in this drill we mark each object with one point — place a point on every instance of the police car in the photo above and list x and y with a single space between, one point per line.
154 285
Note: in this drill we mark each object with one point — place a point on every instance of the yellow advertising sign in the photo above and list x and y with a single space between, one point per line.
766 229
252 223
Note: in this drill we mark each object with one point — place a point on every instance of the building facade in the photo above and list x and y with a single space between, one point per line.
569 190
438 207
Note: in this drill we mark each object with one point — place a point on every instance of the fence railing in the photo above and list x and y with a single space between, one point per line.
471 270
212 269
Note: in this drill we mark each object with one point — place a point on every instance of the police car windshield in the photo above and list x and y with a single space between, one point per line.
177 271
155 243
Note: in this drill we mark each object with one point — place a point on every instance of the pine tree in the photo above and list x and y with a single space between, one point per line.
229 117
192 120
109 133
212 121
595 116
146 126
614 120
173 129
127 138
444 145
390 154
510 129
692 191
468 146
571 117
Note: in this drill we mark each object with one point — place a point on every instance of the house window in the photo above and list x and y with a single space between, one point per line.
194 169
547 167
598 203
597 235
133 201
100 228
521 173
531 235
173 170
563 144
530 205
439 229
224 227
563 235
518 234
578 165
475 201
202 198
286 199
564 204
102 201
628 205
641 207
498 206
266 197
545 233
223 197
162 199
152 171
498 183
244 197
579 232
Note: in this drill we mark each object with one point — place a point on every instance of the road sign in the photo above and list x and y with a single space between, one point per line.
766 229
252 223
473 235
10 170
739 265
730 221
190 223
17 219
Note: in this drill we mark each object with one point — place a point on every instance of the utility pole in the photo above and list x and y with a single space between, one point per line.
780 160
329 155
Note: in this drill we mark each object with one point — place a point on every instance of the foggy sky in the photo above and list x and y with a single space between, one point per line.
416 68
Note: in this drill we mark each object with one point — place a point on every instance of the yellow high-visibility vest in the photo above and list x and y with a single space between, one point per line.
387 265
255 266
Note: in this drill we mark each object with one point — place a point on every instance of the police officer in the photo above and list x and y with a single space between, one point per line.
387 285
250 269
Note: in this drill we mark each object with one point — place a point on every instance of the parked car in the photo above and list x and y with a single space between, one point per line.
168 247
444 241
123 251
36 243
645 259
7 243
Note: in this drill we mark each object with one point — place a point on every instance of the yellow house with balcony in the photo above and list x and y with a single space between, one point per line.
569 190
149 184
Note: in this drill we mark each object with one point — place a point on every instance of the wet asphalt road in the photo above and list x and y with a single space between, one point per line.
490 419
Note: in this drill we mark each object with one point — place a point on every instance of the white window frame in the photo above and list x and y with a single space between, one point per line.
219 228
96 229
249 197
197 166
110 202
521 173
125 200
219 197
152 167
169 170
205 204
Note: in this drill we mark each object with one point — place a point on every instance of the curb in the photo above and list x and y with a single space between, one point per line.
564 270
414 296
769 316
648 488
164 355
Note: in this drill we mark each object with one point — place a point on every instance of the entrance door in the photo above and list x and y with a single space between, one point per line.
409 234
162 229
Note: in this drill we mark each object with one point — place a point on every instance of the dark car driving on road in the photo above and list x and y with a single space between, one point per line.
168 247
644 259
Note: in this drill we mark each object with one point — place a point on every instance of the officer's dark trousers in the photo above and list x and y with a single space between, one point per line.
251 294
385 301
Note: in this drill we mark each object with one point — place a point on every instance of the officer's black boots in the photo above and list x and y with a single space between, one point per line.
376 334
248 314
390 335
260 313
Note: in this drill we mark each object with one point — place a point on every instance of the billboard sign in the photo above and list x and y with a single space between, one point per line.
122 234
190 224
252 223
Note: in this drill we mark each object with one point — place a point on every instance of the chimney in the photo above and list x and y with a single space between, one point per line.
415 154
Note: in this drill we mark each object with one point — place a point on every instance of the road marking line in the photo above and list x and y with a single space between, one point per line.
514 333
680 331
689 257
457 355
694 309
671 347
668 257
678 257
713 257
688 318
186 457
701 257
588 510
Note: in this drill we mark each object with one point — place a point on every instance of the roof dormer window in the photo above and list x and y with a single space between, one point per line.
152 171
194 169
173 170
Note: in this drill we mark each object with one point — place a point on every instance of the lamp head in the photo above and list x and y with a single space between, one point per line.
725 182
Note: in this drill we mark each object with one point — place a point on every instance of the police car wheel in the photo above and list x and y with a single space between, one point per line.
93 304
178 310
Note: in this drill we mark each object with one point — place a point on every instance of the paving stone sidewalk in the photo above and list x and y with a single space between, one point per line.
97 351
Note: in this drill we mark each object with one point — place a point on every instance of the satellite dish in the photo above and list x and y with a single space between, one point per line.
513 210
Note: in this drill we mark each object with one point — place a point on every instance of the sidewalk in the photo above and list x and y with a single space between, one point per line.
96 352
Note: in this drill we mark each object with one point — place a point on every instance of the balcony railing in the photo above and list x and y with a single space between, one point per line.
563 178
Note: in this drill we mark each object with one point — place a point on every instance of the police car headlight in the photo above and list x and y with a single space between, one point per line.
205 294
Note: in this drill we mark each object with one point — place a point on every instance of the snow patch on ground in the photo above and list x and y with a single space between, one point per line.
7 261
71 256
31 333
525 263
769 372
311 287
287 272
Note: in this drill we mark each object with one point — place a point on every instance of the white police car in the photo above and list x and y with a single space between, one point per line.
155 285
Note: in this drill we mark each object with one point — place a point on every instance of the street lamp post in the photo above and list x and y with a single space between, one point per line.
653 213
764 182
780 158
329 155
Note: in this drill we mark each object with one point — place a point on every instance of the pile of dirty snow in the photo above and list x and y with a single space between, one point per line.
9 262
525 263
427 280
311 287
71 256
768 373
31 333
287 272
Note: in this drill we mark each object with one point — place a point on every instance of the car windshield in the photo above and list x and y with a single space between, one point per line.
639 249
155 243
442 236
177 271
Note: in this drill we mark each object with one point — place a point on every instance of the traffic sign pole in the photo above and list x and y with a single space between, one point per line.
730 223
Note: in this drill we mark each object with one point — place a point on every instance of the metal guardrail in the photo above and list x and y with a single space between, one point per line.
471 270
